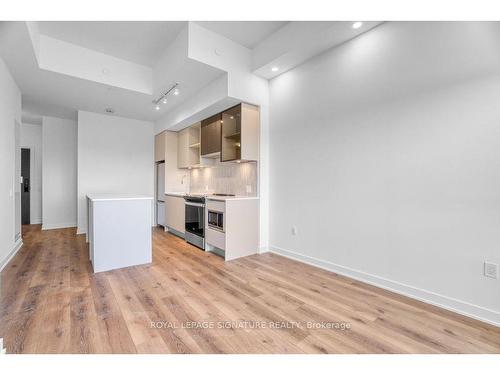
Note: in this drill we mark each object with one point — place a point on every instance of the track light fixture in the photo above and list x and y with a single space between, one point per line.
163 97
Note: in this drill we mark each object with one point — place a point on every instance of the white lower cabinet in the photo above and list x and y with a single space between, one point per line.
175 214
239 236
215 238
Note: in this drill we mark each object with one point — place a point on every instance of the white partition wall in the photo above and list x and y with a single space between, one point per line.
58 173
10 113
115 155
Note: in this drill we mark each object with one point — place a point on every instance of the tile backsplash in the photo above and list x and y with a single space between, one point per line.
225 178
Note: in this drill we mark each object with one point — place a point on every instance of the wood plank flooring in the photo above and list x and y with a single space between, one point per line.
51 302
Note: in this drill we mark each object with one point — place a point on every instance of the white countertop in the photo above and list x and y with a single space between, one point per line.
116 197
225 198
175 193
210 196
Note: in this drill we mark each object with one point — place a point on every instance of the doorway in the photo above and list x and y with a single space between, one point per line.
25 187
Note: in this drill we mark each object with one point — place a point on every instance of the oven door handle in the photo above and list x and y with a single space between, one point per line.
195 204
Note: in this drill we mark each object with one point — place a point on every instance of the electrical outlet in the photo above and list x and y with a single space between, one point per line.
294 231
491 270
249 188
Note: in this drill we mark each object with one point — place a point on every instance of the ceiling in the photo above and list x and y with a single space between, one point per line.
246 33
141 42
53 94
159 47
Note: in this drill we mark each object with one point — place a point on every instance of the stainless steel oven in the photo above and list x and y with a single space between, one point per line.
195 220
216 220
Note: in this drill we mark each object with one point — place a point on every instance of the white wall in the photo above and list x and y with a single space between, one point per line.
10 112
115 155
385 154
58 173
31 137
17 180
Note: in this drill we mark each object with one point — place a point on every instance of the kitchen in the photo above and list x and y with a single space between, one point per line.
216 160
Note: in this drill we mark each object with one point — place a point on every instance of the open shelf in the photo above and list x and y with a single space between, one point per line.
195 145
233 136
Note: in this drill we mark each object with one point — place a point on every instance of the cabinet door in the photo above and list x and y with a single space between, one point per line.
231 134
183 149
250 132
160 147
194 145
211 135
175 213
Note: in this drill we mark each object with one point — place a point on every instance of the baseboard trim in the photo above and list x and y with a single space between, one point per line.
81 230
15 249
58 226
448 303
264 249
175 232
36 222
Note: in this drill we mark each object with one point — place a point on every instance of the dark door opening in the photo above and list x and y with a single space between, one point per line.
25 187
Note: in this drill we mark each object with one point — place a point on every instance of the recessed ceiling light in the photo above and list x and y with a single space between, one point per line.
157 107
274 69
109 110
357 25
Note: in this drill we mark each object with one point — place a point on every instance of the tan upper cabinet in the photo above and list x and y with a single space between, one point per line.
240 127
160 146
231 135
188 147
210 136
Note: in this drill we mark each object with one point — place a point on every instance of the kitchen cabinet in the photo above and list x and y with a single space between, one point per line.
160 146
239 234
166 147
175 214
188 147
240 127
211 136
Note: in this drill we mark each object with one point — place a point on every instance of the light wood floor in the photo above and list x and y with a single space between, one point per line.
52 303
